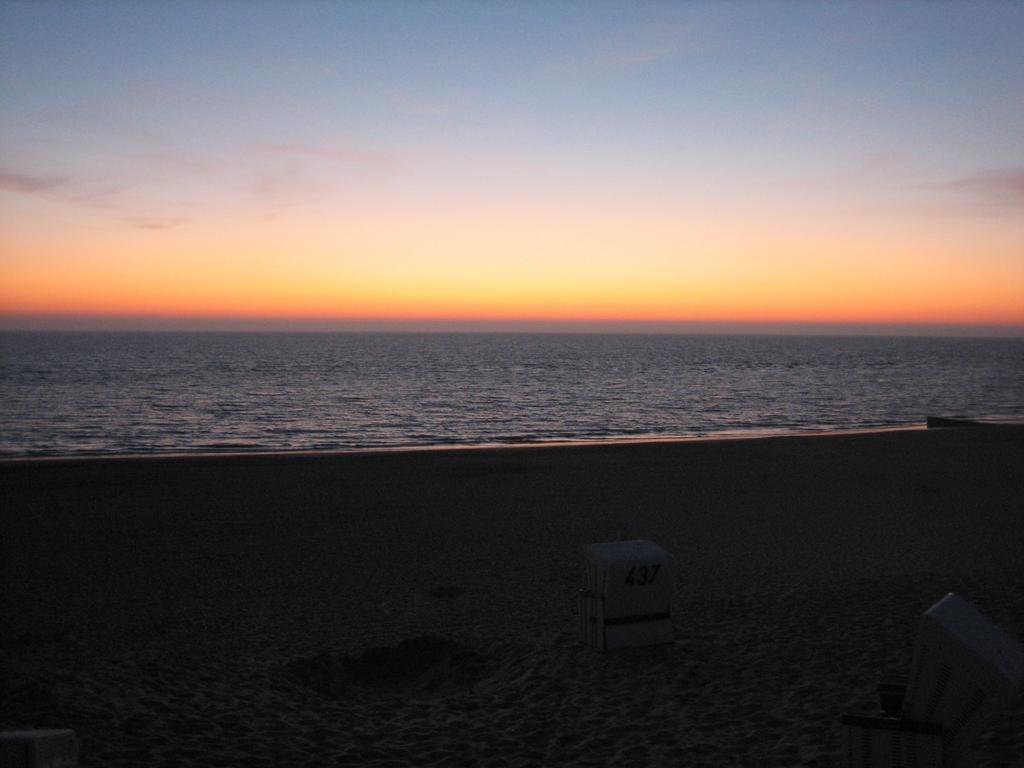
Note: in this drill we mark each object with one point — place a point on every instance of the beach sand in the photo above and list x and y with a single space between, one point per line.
219 611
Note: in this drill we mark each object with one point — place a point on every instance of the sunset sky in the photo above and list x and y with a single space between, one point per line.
512 165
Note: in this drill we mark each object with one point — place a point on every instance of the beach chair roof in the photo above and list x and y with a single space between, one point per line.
998 649
638 550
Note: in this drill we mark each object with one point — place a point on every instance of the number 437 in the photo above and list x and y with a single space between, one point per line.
641 575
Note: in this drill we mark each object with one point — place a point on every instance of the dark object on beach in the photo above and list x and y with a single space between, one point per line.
966 670
941 422
420 667
404 664
38 749
890 698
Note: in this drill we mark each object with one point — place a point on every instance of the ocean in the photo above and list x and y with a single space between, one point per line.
111 393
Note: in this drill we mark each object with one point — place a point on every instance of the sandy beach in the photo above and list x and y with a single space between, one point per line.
222 611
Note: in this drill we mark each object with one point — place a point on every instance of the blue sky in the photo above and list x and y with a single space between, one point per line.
935 79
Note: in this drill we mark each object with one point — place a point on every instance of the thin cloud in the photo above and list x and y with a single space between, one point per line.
286 186
999 187
154 222
277 182
31 183
276 176
909 185
83 191
427 109
879 169
286 175
633 51
338 154
78 190
186 162
99 194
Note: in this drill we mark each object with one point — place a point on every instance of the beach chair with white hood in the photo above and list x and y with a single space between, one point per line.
965 672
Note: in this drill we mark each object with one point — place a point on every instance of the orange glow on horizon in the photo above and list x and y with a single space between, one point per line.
528 266
325 308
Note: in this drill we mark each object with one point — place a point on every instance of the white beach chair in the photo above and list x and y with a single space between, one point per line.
38 749
965 671
628 595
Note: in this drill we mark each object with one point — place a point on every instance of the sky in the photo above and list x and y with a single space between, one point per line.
530 165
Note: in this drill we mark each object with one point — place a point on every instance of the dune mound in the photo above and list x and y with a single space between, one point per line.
424 667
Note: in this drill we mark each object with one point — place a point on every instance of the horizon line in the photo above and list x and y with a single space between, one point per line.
262 324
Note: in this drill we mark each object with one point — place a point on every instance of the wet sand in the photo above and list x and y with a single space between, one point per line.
222 611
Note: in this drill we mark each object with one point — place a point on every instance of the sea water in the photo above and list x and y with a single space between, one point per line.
88 393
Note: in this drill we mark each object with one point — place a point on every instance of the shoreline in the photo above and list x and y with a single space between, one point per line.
712 437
